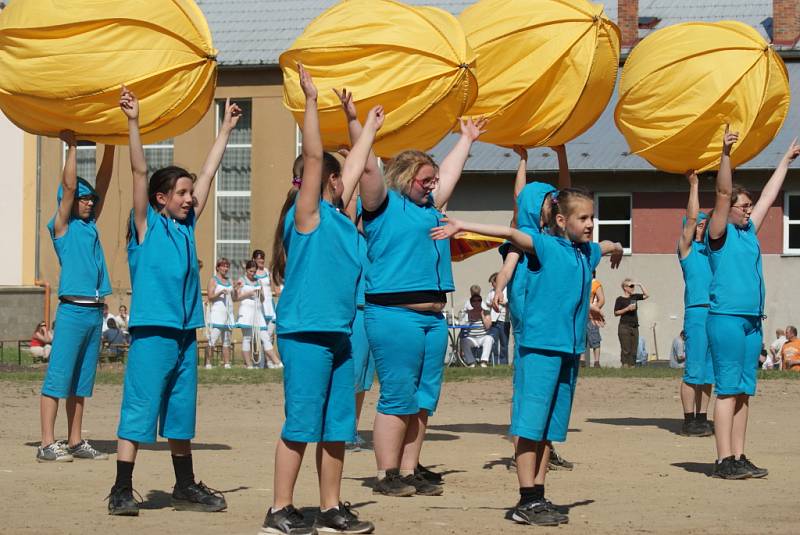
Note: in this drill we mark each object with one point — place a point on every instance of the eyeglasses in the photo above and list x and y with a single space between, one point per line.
428 183
630 285
86 199
743 207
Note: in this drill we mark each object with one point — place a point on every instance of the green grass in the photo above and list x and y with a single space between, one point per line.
113 375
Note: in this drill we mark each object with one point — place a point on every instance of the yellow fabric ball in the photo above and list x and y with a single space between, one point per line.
414 61
63 64
681 85
546 68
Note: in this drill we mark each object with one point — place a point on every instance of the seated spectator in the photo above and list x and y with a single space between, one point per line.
42 342
773 361
113 336
122 319
501 328
677 355
790 352
106 316
477 335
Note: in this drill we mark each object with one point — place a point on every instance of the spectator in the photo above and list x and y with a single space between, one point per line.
790 352
122 319
773 361
477 334
677 355
628 331
593 339
106 316
113 335
42 342
501 327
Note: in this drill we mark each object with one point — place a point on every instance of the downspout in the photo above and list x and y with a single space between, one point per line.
46 286
36 269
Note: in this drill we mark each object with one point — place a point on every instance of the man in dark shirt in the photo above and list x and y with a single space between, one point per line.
625 308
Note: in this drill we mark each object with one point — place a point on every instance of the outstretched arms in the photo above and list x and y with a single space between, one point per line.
453 164
202 186
69 184
372 174
692 210
722 202
130 107
774 185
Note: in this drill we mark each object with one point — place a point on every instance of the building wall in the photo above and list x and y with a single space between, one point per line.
12 142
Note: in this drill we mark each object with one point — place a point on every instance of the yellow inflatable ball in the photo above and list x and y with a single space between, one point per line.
682 84
546 68
63 63
414 61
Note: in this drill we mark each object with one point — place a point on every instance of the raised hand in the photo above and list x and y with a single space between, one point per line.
498 301
793 151
521 151
349 106
616 255
473 129
68 137
451 227
232 115
691 176
129 103
375 118
728 139
306 83
596 316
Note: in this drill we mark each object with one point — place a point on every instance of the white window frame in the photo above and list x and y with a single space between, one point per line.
298 141
629 222
91 179
230 193
786 221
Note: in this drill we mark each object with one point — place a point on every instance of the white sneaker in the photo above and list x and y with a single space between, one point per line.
55 452
251 368
279 365
227 366
209 366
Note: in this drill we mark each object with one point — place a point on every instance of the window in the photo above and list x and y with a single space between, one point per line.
86 152
159 155
613 218
232 222
791 223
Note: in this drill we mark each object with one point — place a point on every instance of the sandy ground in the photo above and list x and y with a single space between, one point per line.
633 473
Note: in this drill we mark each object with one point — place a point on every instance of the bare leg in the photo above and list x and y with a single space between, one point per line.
48 409
689 394
527 461
359 405
226 355
248 359
703 397
739 429
543 461
273 358
74 419
412 442
388 433
596 352
127 450
723 425
330 463
288 457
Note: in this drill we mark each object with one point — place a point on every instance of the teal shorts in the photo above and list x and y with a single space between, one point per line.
735 346
160 389
699 369
363 363
319 397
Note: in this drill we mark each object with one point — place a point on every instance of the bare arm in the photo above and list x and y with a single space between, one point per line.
522 171
213 289
564 180
69 184
103 178
600 298
371 174
130 107
774 185
722 202
614 250
306 217
202 186
692 211
645 295
453 226
453 164
361 153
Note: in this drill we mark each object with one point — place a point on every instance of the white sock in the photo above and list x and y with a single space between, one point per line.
381 474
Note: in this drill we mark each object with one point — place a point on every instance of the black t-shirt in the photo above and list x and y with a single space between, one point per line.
631 317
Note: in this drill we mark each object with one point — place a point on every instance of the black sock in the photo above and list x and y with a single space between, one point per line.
531 494
701 417
124 475
688 417
184 474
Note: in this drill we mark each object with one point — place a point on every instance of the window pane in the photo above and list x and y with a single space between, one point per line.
620 233
234 172
233 222
617 207
237 253
87 168
794 207
242 134
794 236
158 155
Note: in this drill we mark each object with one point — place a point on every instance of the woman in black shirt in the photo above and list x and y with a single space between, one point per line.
628 330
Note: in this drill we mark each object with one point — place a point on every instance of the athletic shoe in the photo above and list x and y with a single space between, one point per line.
754 470
279 365
84 450
122 503
422 486
394 485
557 462
484 364
198 497
597 364
226 366
562 518
693 428
288 521
341 520
536 513
429 475
55 452
729 468
209 367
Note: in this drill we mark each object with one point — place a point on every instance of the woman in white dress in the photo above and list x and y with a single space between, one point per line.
268 308
220 312
249 293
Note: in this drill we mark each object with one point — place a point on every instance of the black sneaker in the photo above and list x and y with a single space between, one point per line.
122 503
729 468
537 513
429 476
422 486
694 428
393 485
341 520
562 518
754 470
198 497
286 521
557 462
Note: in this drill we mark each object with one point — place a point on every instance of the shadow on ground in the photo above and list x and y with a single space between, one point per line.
673 425
110 446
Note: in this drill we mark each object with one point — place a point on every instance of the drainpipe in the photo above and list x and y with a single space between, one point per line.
46 286
36 269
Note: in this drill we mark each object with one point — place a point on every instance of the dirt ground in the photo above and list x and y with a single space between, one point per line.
633 474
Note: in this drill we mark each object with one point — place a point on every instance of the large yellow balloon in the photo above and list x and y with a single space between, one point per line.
62 64
414 61
546 68
682 84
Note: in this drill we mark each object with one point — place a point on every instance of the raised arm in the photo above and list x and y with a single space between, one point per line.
692 210
361 153
130 107
564 180
103 178
372 173
645 295
522 172
69 184
614 250
453 164
453 226
306 216
722 202
774 185
503 276
202 186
